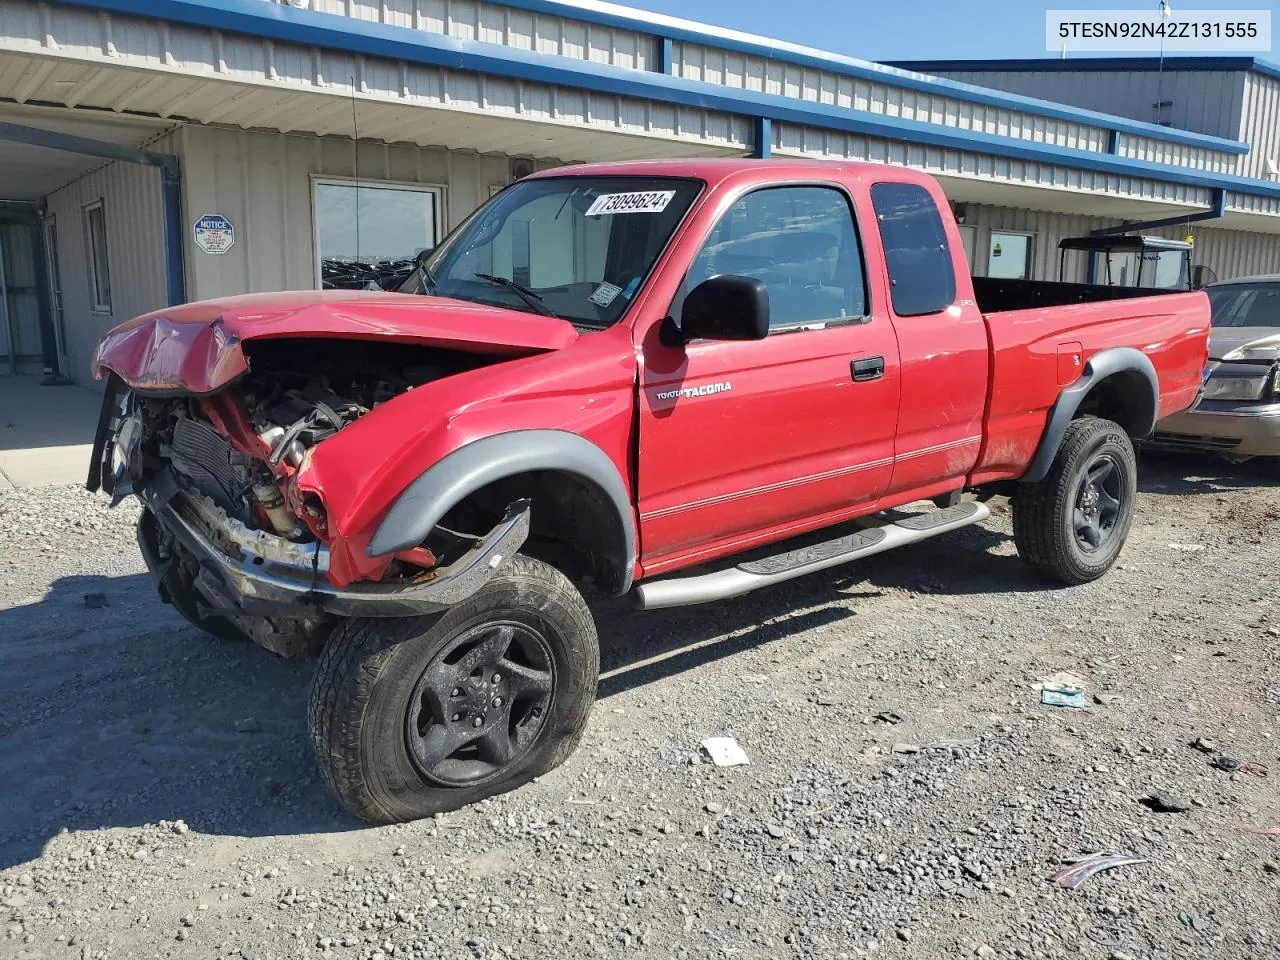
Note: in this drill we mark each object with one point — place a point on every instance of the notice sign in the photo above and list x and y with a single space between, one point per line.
214 233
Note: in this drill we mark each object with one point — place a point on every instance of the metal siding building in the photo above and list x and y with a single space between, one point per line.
1261 123
1207 102
1233 97
124 122
130 198
263 183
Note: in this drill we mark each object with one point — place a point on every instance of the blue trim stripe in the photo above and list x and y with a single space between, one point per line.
664 55
69 143
1094 65
175 276
211 12
1083 64
764 139
1215 212
1266 69
286 24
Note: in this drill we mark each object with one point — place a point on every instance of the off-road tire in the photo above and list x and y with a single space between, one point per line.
1043 526
177 588
366 676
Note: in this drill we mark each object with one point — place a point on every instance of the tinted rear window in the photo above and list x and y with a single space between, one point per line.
921 277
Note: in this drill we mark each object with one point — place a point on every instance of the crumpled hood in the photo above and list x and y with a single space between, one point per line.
1244 343
196 348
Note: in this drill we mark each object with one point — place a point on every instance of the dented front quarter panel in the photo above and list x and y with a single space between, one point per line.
586 388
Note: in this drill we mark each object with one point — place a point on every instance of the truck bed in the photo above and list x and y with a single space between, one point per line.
995 295
1042 335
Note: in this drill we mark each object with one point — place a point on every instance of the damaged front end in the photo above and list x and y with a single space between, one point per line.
234 536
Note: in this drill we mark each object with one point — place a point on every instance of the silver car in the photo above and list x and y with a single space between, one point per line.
1238 411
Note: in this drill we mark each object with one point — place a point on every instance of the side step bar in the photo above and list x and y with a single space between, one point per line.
754 574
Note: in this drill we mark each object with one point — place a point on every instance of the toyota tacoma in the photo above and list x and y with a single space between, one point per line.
678 380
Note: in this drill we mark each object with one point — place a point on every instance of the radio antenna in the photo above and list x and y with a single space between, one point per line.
355 161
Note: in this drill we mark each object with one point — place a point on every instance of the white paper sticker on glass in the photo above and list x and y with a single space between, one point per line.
605 294
646 201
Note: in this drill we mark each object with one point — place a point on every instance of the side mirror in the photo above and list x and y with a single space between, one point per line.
726 307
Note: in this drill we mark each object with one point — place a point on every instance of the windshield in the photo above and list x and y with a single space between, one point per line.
1245 304
575 247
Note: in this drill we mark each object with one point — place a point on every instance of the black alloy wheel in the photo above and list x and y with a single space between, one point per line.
1098 503
480 704
412 716
1072 524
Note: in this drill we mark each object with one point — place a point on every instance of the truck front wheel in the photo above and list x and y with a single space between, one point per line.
176 583
1071 525
412 717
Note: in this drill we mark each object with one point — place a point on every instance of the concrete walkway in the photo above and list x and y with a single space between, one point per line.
46 433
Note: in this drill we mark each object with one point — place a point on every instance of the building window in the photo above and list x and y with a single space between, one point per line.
922 278
1009 255
367 234
95 232
802 242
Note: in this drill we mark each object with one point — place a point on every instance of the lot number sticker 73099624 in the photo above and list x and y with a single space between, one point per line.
647 201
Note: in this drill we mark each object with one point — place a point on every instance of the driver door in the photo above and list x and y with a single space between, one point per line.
746 442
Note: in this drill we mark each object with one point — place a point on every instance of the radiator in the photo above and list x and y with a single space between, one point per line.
206 458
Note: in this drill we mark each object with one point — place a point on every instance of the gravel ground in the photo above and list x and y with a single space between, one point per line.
160 798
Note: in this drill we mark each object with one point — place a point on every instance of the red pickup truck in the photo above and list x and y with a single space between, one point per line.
681 380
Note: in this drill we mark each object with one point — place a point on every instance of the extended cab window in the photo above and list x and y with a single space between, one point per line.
916 254
802 242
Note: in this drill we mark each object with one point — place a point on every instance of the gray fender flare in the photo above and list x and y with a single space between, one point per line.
425 501
1101 365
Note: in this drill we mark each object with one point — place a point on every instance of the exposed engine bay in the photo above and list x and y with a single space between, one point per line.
289 415
297 394
223 468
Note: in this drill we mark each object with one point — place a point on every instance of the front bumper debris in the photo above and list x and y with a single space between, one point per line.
256 573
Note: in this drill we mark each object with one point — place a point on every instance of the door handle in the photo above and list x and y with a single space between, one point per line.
867 368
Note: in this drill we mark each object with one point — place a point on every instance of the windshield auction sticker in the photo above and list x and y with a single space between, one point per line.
1163 29
648 201
605 294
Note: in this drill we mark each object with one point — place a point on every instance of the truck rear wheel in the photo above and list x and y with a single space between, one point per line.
1072 524
411 717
